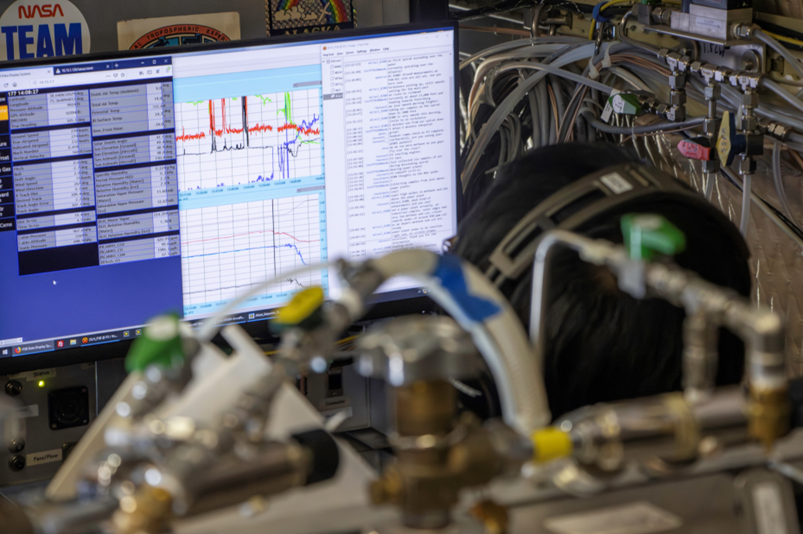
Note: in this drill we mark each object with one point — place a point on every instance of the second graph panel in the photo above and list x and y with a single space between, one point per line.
226 250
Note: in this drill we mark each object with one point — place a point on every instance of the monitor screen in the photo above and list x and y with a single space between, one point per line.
175 181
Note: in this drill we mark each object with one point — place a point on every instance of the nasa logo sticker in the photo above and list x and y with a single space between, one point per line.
32 29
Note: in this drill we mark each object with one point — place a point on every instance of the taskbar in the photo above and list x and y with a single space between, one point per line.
128 334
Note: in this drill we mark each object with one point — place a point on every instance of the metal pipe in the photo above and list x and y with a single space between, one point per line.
762 330
700 356
275 468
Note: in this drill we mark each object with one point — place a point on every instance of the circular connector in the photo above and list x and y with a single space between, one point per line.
17 462
13 388
16 445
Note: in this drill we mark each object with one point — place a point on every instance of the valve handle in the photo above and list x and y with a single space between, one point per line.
304 310
625 104
729 143
698 148
160 344
646 233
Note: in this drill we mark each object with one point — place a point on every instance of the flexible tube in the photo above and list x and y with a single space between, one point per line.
791 60
500 338
778 179
778 90
210 326
650 128
764 207
744 222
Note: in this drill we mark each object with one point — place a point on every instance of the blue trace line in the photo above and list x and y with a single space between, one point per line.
288 245
286 150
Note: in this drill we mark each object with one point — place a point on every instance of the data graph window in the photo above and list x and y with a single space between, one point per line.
249 147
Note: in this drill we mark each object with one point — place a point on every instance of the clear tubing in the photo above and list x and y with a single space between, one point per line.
791 60
210 327
744 222
778 90
778 179
764 207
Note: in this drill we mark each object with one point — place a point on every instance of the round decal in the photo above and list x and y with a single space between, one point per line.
32 29
179 34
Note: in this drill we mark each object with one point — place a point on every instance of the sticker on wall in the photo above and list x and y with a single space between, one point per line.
175 31
32 29
307 16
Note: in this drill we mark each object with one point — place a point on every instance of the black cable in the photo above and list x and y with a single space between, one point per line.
786 32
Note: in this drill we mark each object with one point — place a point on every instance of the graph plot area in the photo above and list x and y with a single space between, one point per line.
249 139
228 249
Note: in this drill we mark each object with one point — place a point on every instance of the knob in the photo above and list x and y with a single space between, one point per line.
17 462
16 445
13 388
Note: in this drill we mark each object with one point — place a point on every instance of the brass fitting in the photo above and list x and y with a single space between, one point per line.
436 456
768 414
147 511
493 516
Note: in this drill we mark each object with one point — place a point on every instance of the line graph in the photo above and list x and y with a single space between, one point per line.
227 249
248 139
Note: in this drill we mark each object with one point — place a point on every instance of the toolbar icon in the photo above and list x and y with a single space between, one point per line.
60 343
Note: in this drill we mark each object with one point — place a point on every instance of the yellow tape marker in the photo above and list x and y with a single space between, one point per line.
550 444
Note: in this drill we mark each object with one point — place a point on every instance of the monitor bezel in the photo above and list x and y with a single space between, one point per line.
257 329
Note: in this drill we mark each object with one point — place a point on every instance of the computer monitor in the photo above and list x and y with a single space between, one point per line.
141 183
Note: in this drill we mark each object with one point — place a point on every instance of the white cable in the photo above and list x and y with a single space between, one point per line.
501 338
209 327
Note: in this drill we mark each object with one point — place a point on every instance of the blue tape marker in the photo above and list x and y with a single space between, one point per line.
595 13
450 273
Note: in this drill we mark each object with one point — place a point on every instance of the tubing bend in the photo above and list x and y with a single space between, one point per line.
464 292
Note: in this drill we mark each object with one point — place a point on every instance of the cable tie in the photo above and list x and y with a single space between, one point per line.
595 13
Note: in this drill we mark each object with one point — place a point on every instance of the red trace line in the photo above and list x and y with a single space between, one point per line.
189 137
305 131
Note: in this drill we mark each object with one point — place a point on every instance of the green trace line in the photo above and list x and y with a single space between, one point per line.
264 99
198 102
287 109
310 142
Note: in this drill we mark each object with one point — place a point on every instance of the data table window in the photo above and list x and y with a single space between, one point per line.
91 166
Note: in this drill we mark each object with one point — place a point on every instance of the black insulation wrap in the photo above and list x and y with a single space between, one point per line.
325 455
